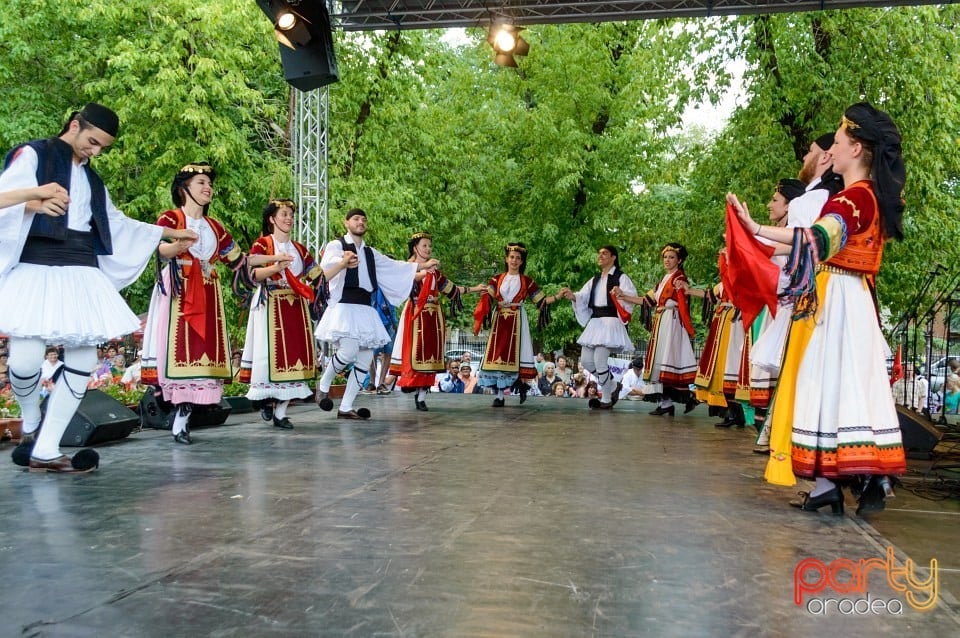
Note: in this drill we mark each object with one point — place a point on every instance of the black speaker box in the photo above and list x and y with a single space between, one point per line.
158 414
100 418
919 435
214 414
155 413
313 64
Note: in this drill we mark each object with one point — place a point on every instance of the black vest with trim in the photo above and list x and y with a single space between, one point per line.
55 161
352 292
613 279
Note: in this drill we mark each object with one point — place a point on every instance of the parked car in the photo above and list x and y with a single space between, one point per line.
457 353
938 373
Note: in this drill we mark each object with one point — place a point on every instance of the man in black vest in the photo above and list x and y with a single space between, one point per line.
63 265
604 319
350 322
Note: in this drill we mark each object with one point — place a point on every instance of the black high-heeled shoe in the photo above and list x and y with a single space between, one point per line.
661 411
833 498
872 498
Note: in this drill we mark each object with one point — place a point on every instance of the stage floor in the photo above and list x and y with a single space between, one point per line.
540 520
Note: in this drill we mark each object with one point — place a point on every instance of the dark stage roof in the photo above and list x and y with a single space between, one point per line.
366 15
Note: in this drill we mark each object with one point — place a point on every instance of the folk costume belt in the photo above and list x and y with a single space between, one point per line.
357 296
76 250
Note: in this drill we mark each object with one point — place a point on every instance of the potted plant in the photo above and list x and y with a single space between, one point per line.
10 421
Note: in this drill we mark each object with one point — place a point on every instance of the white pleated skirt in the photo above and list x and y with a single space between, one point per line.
352 321
69 305
608 332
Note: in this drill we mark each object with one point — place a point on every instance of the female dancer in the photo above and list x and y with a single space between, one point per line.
185 343
508 359
278 353
719 369
604 320
670 360
833 418
418 348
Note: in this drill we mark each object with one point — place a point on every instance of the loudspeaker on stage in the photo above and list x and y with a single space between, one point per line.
919 435
100 418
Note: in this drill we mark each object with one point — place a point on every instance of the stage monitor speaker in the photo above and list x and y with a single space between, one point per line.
213 414
158 414
155 413
100 418
919 435
311 62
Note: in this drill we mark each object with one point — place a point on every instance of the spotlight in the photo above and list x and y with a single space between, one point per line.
507 43
292 29
286 20
504 41
306 42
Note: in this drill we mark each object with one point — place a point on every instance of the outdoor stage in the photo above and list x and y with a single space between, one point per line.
541 520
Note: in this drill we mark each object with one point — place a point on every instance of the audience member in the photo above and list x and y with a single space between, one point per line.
450 381
563 371
548 378
466 376
633 386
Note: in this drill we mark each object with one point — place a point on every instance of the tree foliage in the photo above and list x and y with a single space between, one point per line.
586 143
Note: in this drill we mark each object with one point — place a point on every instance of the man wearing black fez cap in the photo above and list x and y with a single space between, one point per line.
350 322
67 251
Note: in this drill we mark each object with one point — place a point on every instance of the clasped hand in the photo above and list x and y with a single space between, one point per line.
53 200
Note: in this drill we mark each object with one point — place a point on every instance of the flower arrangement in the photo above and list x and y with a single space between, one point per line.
9 408
123 394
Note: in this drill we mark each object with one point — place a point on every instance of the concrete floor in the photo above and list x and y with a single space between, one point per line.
541 520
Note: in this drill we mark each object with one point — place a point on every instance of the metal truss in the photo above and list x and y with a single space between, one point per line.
366 15
311 113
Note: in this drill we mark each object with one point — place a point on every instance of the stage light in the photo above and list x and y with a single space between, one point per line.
507 43
306 42
286 20
504 41
292 29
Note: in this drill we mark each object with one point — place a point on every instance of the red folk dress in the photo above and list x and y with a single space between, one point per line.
279 352
186 347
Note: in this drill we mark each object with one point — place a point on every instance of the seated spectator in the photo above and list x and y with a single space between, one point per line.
131 376
450 380
581 370
952 395
467 358
559 390
578 386
235 358
469 381
51 363
565 373
549 377
633 386
592 391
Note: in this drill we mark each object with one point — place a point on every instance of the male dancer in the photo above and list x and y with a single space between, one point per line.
54 259
350 323
604 318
